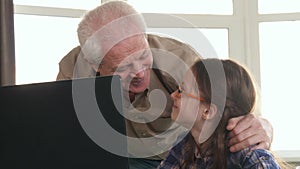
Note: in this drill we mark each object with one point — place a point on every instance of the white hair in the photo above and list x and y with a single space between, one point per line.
105 26
102 15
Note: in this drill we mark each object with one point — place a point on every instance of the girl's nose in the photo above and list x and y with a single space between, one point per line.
175 95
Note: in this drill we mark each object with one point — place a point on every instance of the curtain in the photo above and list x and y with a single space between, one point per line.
7 44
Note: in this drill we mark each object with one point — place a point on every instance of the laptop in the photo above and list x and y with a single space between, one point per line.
63 124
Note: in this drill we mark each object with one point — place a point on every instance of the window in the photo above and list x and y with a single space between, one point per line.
197 38
279 35
40 47
223 7
278 6
279 55
44 34
77 4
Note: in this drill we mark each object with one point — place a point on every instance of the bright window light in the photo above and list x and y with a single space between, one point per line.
75 4
198 38
279 51
222 7
41 42
278 6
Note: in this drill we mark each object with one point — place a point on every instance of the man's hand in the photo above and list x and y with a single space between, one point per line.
249 130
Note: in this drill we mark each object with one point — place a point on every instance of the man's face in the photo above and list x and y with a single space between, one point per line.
131 59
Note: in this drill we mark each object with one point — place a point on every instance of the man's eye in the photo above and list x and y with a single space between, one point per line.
121 69
144 56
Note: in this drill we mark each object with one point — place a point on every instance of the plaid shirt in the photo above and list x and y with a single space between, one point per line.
256 159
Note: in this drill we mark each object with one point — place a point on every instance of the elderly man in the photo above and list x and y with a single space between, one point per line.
113 41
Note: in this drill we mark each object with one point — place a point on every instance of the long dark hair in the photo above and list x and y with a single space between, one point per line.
240 100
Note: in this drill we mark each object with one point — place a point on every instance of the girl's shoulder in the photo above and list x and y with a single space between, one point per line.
257 158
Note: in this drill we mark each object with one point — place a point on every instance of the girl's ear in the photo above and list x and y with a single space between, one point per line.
209 112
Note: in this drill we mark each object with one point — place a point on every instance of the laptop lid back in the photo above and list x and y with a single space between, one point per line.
56 124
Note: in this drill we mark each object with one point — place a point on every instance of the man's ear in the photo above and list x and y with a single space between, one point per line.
210 112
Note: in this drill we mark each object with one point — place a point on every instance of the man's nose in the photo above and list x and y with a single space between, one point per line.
138 74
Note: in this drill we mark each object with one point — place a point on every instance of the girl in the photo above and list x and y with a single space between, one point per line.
214 91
